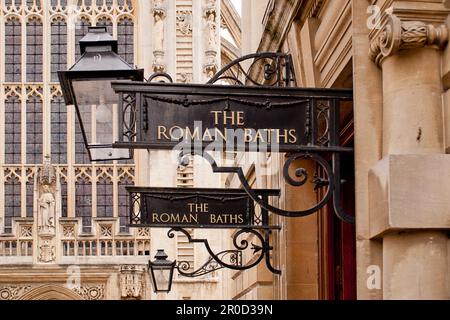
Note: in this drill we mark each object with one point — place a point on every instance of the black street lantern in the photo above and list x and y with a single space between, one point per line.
87 86
161 272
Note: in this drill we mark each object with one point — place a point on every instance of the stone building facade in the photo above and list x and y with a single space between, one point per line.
63 219
394 55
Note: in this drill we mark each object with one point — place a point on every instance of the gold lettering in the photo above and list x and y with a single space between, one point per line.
240 219
233 219
193 218
165 218
293 135
240 118
198 207
227 117
193 135
207 135
284 136
174 130
260 137
223 135
248 137
216 117
162 132
155 217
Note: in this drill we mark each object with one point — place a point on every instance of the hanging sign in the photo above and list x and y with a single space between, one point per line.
193 208
226 117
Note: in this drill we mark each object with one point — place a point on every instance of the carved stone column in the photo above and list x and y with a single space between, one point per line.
409 54
406 209
159 16
132 281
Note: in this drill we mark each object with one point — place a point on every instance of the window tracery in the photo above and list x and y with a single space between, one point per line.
32 102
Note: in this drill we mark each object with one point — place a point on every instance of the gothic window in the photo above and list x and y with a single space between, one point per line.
109 3
62 3
80 31
59 130
58 47
34 129
86 2
29 196
125 33
34 50
13 50
12 130
104 197
30 106
30 3
83 202
81 154
124 202
63 198
12 201
106 22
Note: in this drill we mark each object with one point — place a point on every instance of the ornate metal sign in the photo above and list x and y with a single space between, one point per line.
181 209
276 119
193 207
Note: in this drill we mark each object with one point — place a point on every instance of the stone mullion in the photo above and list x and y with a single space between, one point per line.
2 119
23 146
46 77
115 182
71 121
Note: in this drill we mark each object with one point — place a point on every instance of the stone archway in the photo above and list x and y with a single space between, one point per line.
51 292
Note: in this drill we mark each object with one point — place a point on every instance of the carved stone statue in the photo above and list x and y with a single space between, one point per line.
211 32
158 32
46 212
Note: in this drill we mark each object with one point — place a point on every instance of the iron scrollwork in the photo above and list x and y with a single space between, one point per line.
277 70
301 177
230 259
321 112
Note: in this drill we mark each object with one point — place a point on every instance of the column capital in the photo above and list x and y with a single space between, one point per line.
398 35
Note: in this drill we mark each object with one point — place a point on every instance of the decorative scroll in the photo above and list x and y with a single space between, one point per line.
277 70
230 259
332 183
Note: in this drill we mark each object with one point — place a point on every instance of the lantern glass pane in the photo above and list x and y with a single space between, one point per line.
162 278
97 103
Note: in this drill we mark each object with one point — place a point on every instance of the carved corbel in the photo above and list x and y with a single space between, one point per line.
400 35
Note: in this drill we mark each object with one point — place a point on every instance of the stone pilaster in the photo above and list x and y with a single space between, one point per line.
412 224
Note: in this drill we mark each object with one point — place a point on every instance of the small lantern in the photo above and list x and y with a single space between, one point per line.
87 86
161 272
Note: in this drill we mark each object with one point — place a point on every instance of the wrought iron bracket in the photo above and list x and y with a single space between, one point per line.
331 182
318 110
230 259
